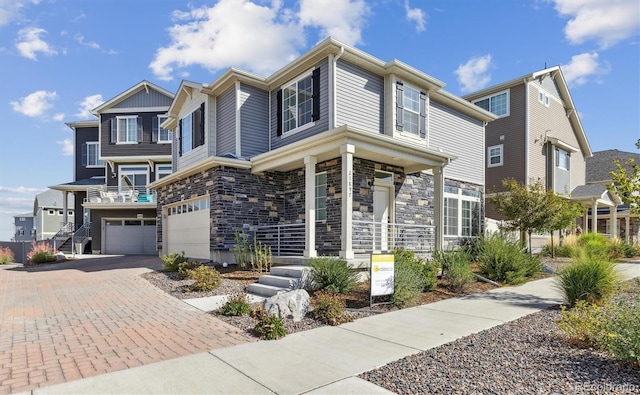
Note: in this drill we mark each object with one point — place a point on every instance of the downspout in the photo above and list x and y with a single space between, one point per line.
526 131
270 120
332 86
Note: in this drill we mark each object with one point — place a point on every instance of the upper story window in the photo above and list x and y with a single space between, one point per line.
126 130
163 171
563 159
192 130
543 97
498 104
159 134
91 155
495 155
410 110
299 103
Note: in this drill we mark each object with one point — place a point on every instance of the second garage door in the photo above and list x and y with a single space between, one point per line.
130 237
187 229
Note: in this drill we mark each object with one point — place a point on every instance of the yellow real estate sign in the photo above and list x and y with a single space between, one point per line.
382 274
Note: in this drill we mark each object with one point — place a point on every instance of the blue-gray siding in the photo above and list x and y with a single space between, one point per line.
359 98
143 99
226 122
254 113
321 125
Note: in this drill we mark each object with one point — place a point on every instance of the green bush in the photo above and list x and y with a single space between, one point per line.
506 261
185 267
171 262
622 249
459 275
428 269
582 324
409 279
590 279
206 278
236 305
622 331
41 253
594 245
328 307
333 274
6 256
268 327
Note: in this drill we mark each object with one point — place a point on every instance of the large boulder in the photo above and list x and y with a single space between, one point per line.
292 304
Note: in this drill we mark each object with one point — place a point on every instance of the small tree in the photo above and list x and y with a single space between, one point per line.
625 182
564 214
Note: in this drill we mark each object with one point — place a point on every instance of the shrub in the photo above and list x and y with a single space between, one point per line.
329 308
594 245
206 278
185 267
172 261
428 269
590 279
582 324
261 257
41 253
622 332
622 249
460 275
268 327
236 305
6 256
333 274
506 261
242 251
409 279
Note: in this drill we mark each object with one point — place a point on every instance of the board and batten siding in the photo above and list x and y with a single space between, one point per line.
226 122
321 125
254 121
199 153
143 99
549 85
359 98
460 135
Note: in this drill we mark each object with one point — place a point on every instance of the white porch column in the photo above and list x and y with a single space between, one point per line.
65 208
614 221
594 217
585 220
627 235
347 152
310 206
438 206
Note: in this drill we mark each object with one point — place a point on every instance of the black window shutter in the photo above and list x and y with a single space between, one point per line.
155 127
201 131
114 130
423 114
140 130
315 78
279 110
399 106
84 154
179 138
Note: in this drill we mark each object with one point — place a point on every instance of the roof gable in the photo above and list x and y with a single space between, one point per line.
142 95
601 164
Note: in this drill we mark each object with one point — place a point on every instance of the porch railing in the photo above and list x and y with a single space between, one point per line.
65 232
369 236
284 239
114 194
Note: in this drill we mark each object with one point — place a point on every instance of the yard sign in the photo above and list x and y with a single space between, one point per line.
382 275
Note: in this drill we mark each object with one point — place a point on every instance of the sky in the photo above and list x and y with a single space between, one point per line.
61 58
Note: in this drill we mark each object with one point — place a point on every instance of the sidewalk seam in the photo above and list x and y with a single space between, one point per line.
239 371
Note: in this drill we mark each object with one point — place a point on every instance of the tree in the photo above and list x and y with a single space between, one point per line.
625 182
564 215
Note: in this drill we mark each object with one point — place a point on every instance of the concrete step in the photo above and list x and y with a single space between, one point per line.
265 290
294 271
280 281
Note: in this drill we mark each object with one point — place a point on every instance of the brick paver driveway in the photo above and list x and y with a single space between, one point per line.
90 316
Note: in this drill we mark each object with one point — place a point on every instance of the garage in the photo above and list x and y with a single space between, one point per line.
186 228
130 237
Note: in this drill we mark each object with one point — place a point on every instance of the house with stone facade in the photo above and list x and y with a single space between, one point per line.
338 153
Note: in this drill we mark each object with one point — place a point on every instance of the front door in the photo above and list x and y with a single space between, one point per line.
381 211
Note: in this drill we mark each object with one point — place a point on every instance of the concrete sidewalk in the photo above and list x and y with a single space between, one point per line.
328 360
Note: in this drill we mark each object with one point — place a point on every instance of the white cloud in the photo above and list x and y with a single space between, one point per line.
67 147
58 117
10 10
88 104
583 66
30 43
35 104
473 75
20 189
343 19
232 32
416 15
92 44
606 22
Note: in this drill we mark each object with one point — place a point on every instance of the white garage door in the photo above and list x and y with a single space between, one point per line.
187 229
130 237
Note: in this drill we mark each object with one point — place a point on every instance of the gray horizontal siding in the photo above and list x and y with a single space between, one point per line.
254 120
143 99
359 98
146 147
321 125
82 136
226 119
460 135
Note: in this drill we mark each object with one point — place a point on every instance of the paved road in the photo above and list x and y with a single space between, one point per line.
92 316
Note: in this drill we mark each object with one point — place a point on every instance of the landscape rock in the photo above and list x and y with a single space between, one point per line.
292 304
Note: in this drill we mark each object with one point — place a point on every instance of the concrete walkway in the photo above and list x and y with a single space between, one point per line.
327 360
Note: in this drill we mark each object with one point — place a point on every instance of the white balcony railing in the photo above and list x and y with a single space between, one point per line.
115 195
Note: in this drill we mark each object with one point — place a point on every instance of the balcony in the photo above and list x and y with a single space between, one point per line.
113 196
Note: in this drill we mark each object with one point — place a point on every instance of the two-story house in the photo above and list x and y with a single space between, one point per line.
537 135
51 210
24 227
116 157
337 153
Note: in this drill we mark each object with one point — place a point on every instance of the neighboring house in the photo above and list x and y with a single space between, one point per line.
24 227
537 136
338 153
599 167
116 157
51 212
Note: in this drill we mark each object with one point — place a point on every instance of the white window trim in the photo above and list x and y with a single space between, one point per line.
405 86
325 199
97 144
158 172
118 118
122 169
460 197
507 91
543 97
308 73
159 129
489 164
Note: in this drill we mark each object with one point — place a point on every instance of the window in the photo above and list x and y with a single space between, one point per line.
52 212
299 103
497 104
22 219
91 155
126 130
410 109
461 212
133 177
192 130
563 159
321 196
163 171
494 156
60 212
159 134
543 98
